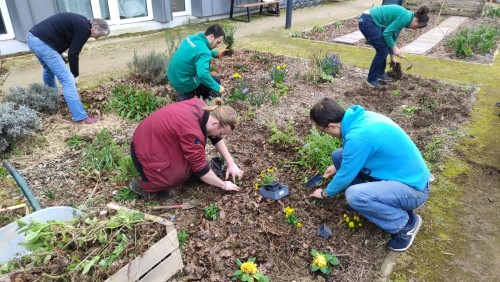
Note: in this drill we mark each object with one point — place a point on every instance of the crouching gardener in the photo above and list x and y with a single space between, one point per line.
381 170
168 147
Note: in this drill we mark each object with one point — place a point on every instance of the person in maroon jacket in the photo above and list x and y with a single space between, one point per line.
168 146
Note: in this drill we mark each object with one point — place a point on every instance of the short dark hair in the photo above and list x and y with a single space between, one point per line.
422 16
326 111
216 30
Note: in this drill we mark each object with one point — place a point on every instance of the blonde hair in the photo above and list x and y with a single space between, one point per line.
224 114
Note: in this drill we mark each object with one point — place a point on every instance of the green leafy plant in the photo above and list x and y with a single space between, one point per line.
291 217
75 141
126 169
103 154
474 41
229 38
248 271
266 176
492 12
182 237
318 29
125 194
259 57
241 91
432 152
428 104
278 73
287 137
323 261
338 24
353 224
409 110
211 211
134 104
3 173
295 34
259 95
317 150
396 92
329 64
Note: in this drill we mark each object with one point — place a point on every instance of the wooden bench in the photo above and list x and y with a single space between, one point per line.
250 5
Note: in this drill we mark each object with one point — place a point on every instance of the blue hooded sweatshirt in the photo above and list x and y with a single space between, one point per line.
375 145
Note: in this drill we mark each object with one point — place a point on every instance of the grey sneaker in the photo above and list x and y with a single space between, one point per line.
403 239
135 186
375 85
384 78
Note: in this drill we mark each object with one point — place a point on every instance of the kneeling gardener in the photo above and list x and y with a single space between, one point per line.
381 170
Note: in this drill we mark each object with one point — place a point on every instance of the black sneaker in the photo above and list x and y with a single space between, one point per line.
135 186
384 78
402 240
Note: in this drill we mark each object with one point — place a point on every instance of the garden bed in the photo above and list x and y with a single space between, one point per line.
248 225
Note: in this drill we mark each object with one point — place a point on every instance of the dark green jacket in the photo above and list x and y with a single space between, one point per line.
190 65
391 19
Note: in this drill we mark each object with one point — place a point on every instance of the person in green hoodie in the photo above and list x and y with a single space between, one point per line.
189 68
381 27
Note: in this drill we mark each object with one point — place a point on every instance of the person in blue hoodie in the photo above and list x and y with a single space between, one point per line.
381 170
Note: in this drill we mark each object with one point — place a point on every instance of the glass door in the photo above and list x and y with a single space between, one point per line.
181 8
6 30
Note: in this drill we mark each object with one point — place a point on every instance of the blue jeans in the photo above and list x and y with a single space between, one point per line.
54 66
384 203
373 34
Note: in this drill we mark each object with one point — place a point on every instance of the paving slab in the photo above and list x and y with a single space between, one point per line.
350 38
432 37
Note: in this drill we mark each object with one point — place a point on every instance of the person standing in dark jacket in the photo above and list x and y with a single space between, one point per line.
168 146
56 34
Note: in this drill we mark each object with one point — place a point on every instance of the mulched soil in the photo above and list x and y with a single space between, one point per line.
248 225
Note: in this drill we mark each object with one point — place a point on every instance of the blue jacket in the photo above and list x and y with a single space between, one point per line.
374 144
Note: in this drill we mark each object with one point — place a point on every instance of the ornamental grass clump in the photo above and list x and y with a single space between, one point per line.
248 272
323 261
353 224
278 73
135 104
16 123
291 217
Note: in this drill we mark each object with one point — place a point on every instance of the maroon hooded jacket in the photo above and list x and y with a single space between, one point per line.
170 144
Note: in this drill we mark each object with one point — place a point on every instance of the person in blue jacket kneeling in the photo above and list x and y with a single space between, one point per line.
380 168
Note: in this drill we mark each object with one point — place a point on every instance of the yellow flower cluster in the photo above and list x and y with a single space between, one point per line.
353 224
320 260
266 176
283 66
236 75
288 210
249 267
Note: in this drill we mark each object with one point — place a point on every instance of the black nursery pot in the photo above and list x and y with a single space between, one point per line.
229 52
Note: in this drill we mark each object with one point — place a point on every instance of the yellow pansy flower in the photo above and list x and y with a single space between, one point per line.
320 260
351 224
249 267
299 224
347 219
236 75
360 225
345 215
256 185
288 210
283 66
270 170
278 67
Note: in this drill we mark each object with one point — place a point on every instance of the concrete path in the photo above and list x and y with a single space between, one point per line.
429 39
350 38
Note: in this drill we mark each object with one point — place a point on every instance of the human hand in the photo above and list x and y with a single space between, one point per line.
221 53
222 89
230 186
396 51
393 60
234 171
317 194
330 171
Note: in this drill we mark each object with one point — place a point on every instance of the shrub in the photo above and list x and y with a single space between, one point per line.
17 122
329 64
229 38
134 104
287 137
470 41
211 211
318 29
317 150
37 96
151 67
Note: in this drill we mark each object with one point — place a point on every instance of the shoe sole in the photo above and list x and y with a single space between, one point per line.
385 80
417 228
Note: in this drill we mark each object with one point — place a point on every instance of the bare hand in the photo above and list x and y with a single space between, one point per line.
330 171
230 186
396 51
316 194
234 171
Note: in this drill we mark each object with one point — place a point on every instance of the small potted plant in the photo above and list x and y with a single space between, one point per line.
248 272
323 261
229 40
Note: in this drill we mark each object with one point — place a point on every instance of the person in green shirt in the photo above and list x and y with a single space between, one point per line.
189 68
381 26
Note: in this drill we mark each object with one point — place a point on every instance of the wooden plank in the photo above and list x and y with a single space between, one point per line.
165 269
141 265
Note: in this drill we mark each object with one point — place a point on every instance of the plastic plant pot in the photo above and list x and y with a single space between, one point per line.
274 191
324 231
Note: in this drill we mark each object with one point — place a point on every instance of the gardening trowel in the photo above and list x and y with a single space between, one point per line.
314 181
185 206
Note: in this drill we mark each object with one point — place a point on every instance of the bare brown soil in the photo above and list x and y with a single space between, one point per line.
248 225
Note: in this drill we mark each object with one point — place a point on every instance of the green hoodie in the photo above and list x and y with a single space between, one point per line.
391 19
190 65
